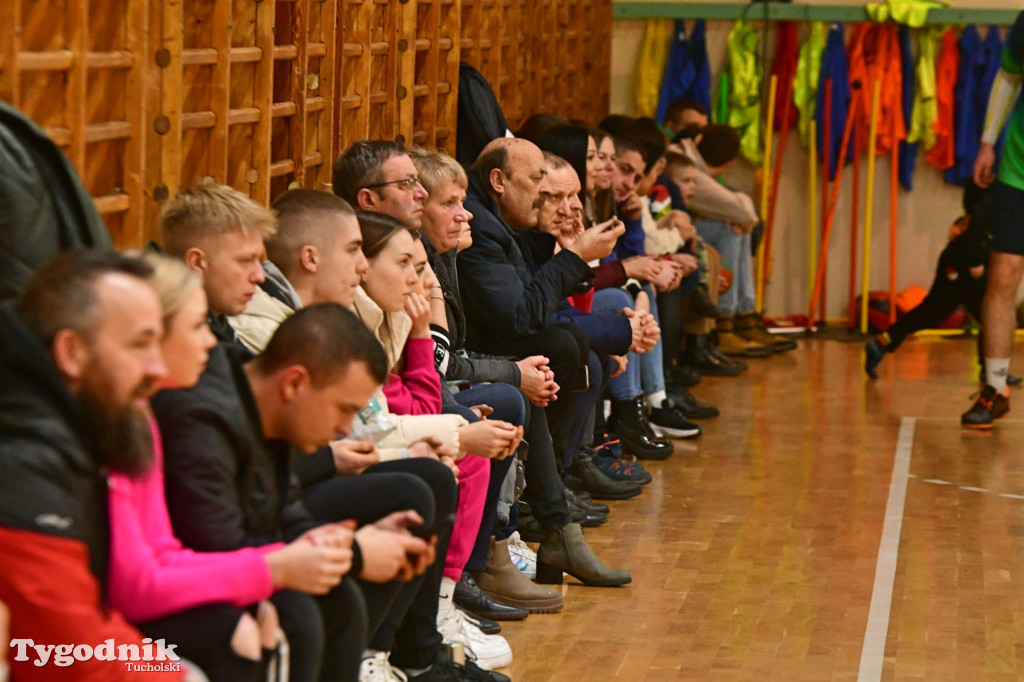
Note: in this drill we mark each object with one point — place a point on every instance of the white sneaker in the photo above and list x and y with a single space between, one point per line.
377 668
524 558
489 651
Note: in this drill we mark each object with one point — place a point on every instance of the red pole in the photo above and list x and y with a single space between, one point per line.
854 218
894 187
770 223
826 158
819 288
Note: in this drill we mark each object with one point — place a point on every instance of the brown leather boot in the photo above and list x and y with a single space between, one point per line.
751 327
505 583
731 343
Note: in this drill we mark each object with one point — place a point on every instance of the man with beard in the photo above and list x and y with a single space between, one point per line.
78 357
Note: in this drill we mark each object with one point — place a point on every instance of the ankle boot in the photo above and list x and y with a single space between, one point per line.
699 355
701 305
731 343
638 438
506 584
566 550
584 475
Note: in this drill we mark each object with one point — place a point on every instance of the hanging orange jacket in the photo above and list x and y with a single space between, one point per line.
874 54
941 154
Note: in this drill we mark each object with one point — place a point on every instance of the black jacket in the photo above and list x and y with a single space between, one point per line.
480 118
227 486
45 207
475 368
505 297
50 478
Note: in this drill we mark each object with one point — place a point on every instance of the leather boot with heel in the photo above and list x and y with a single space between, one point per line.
505 583
565 550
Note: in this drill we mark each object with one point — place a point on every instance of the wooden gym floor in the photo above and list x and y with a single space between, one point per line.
755 552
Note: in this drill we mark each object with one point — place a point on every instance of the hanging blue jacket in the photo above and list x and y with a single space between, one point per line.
967 119
908 150
687 73
834 66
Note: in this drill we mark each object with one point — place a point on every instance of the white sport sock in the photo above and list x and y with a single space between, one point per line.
444 606
656 399
996 371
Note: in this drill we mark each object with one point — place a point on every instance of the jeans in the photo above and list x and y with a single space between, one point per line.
644 372
735 250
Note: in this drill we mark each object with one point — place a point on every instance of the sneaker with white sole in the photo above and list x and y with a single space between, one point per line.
523 558
377 668
488 651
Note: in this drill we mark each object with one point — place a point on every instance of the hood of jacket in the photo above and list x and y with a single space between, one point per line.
51 480
391 329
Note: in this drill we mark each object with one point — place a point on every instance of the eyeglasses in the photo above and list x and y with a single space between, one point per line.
408 184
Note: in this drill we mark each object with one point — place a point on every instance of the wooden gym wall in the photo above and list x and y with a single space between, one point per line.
150 96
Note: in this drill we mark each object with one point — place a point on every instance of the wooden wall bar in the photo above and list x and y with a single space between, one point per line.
149 96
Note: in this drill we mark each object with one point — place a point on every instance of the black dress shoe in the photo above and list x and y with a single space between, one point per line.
586 502
691 407
635 432
485 625
470 597
528 526
589 520
712 365
584 475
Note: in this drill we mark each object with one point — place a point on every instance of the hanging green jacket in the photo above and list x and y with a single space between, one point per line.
926 107
805 82
650 67
746 72
910 12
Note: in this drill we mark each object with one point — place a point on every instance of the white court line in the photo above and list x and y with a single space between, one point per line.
872 654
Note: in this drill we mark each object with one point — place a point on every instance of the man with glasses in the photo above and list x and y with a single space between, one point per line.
378 175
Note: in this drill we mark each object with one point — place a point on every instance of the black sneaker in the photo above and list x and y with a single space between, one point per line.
444 670
873 354
668 420
621 469
990 406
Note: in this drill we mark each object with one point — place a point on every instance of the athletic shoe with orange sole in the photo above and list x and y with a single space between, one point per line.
990 406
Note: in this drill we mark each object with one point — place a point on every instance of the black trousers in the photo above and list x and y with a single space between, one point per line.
326 635
942 300
424 485
203 636
566 347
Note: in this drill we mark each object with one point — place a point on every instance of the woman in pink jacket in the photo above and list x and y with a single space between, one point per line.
393 303
211 605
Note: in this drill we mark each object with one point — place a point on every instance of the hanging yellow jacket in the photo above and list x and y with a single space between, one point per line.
805 82
874 55
910 12
926 107
746 71
650 66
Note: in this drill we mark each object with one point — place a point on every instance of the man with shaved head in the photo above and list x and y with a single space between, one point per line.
510 296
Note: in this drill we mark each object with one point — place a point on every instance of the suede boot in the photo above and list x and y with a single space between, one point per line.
731 343
506 584
566 550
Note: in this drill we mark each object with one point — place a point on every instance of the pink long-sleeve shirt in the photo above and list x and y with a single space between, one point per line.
417 390
151 574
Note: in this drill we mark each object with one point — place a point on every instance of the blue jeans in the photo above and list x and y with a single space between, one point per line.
644 373
735 251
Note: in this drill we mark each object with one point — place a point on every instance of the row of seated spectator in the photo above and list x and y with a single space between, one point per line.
314 439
